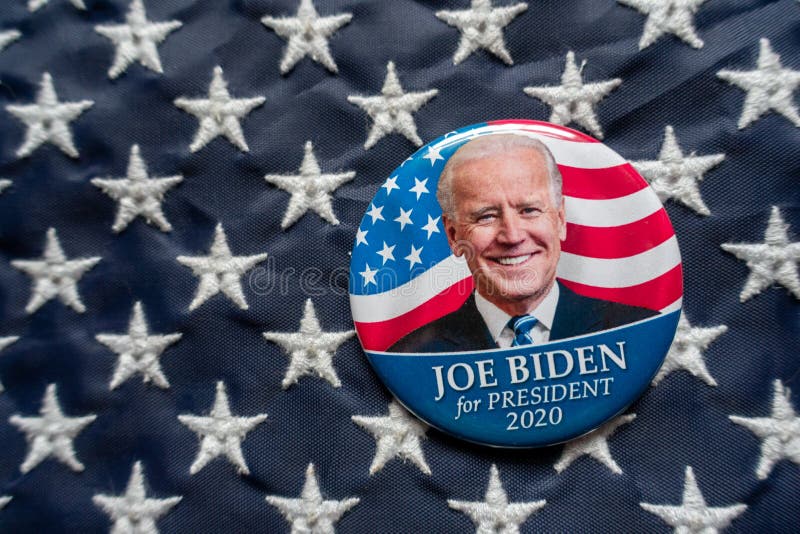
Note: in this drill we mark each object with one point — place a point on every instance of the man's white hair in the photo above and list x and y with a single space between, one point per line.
488 145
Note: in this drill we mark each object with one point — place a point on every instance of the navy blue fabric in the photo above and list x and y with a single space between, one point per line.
680 422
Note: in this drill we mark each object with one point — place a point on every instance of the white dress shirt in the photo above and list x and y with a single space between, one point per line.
497 320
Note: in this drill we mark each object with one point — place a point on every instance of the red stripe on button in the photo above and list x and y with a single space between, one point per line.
653 294
601 184
618 241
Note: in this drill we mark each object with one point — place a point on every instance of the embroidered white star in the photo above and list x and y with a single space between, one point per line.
221 433
769 87
432 226
361 237
8 37
774 260
574 101
138 351
369 275
33 5
687 349
4 184
674 176
389 184
419 187
594 444
4 342
133 512
4 500
220 271
51 434
310 513
310 189
404 218
433 155
55 276
667 16
138 194
413 257
375 213
391 111
780 431
310 349
481 26
137 39
307 34
396 435
48 120
693 514
219 114
495 513
387 253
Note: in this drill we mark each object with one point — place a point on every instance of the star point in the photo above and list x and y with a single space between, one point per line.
310 349
219 114
138 194
392 110
310 513
574 101
594 444
667 16
676 176
5 342
138 351
693 514
398 434
220 271
136 40
55 276
7 37
780 432
310 190
773 261
34 5
134 511
686 351
307 34
495 513
769 88
481 26
48 119
221 433
51 434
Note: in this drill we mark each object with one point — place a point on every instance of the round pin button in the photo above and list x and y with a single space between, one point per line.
515 283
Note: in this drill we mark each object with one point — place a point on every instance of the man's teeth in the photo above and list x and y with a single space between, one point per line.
513 260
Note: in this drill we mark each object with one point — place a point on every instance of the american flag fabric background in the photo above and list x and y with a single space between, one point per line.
183 183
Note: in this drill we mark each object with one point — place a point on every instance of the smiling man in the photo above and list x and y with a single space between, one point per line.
503 211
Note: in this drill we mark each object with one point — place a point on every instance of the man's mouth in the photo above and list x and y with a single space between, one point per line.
512 260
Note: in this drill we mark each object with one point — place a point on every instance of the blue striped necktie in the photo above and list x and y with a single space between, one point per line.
522 326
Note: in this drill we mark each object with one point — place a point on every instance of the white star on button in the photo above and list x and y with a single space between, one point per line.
432 226
667 16
138 194
433 155
481 26
55 276
361 237
138 351
391 111
780 431
419 187
133 512
495 513
220 271
375 213
413 257
310 349
404 218
369 275
769 87
221 433
48 120
387 253
52 434
687 349
219 114
310 513
137 39
396 435
307 34
693 514
389 184
574 101
773 261
594 444
311 189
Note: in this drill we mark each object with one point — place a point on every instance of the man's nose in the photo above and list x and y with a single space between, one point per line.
511 231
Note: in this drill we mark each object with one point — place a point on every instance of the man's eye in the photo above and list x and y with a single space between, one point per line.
486 218
532 212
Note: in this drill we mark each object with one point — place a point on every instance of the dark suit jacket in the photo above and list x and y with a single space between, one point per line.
464 329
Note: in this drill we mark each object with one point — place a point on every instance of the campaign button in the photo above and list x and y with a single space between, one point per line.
515 283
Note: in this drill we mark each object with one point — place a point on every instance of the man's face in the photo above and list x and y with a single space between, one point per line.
507 227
